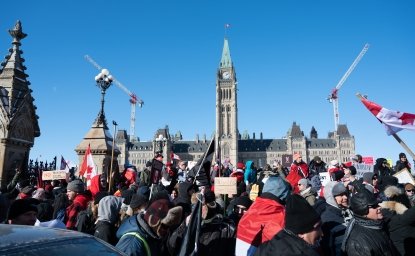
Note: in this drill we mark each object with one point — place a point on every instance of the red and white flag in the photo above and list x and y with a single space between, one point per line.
88 170
394 121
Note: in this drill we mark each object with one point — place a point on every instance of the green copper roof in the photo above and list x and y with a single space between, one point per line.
226 61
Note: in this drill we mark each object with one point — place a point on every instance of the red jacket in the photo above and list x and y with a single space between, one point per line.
79 203
266 214
297 172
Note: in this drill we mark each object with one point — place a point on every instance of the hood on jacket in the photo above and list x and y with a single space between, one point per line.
392 191
328 193
277 186
109 208
393 206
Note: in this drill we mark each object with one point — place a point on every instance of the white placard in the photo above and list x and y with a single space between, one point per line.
361 169
404 177
324 178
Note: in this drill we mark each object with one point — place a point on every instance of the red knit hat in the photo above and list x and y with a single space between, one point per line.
240 165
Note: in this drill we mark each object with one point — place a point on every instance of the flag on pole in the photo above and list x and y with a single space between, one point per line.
394 121
88 170
201 171
189 246
64 165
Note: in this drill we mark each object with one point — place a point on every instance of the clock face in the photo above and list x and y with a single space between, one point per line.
226 75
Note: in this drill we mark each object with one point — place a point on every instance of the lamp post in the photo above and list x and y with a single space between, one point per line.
103 81
161 142
112 156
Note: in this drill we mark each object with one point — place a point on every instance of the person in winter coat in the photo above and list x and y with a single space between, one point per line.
301 233
250 173
366 234
402 163
334 217
79 202
108 215
381 168
410 193
298 171
316 166
400 221
142 234
264 218
307 191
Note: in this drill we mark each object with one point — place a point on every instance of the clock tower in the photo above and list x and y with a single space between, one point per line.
226 137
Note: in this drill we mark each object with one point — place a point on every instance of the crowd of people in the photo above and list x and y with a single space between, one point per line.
275 211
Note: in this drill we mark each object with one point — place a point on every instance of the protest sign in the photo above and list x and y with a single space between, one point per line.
54 175
361 169
404 177
225 185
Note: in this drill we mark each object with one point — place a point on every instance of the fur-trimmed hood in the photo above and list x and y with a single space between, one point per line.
394 206
393 191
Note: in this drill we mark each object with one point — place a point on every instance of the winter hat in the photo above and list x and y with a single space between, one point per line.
368 176
240 165
316 182
352 169
402 155
277 186
334 162
317 158
337 175
156 212
303 182
173 217
76 186
22 206
359 204
210 199
338 189
138 200
300 216
296 156
409 186
243 200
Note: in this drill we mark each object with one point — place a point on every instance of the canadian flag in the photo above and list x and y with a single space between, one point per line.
394 121
88 170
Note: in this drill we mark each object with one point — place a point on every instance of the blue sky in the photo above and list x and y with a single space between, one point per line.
288 56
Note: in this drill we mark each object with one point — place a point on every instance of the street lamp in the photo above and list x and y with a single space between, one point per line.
112 156
161 142
104 81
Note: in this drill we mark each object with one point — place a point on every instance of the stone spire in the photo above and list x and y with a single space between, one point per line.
18 120
226 61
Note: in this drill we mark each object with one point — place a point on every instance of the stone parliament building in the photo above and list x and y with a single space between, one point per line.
339 145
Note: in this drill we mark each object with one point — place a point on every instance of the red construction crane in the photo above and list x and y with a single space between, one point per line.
333 96
133 97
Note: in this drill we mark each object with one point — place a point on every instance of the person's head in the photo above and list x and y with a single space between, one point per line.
74 187
174 193
159 157
23 212
103 181
278 187
161 217
303 184
341 195
370 178
317 159
402 157
302 220
409 190
241 205
365 205
350 171
182 165
297 158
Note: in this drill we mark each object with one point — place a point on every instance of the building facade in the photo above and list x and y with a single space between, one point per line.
230 144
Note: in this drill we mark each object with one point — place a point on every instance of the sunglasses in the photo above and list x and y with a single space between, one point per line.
411 190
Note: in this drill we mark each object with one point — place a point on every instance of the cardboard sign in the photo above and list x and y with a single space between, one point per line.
324 178
361 169
404 177
54 175
225 185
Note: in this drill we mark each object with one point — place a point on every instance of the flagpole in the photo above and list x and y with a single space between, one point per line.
112 157
397 138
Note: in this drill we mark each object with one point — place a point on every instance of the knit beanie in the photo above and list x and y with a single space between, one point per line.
368 176
22 206
243 200
137 201
402 155
300 216
359 204
76 186
159 212
277 186
338 189
303 182
316 182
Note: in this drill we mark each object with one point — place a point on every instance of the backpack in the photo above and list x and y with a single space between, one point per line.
85 223
253 193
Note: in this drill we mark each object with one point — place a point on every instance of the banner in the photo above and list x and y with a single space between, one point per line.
361 169
54 175
225 185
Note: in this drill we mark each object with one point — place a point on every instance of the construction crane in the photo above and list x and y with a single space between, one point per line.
333 98
134 100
